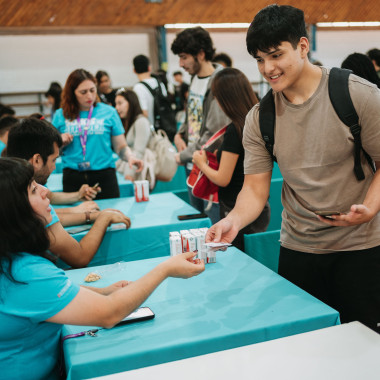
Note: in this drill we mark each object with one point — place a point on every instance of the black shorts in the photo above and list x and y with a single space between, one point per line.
348 281
74 179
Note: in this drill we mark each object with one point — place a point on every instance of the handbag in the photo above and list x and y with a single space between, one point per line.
164 150
148 171
201 186
159 160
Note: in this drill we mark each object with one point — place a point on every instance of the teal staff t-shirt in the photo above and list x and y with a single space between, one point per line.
105 123
29 346
2 146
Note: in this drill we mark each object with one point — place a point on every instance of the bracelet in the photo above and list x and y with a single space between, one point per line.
88 217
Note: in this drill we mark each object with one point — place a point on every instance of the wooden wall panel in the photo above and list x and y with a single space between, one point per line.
127 13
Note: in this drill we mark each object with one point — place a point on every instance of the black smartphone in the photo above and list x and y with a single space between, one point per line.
192 216
327 214
140 314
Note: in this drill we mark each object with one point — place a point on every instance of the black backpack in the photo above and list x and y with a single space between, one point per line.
340 99
164 116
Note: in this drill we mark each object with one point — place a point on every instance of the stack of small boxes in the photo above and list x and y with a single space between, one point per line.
141 191
189 241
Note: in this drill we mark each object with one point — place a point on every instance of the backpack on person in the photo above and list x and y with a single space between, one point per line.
164 115
340 99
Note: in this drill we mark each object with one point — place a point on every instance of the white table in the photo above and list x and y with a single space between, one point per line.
345 352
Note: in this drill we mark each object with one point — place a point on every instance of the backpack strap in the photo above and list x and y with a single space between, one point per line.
341 100
148 87
267 119
154 93
215 137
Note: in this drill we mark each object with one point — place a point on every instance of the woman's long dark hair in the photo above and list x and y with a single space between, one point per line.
21 229
70 105
134 109
234 94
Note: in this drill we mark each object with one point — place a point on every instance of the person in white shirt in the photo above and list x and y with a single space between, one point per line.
143 71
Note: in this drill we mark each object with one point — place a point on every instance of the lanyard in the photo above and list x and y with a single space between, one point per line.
82 333
83 137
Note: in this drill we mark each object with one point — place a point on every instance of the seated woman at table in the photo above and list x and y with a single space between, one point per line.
136 126
36 297
91 131
235 96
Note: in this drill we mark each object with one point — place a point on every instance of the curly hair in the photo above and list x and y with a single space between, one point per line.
21 229
192 41
70 105
273 25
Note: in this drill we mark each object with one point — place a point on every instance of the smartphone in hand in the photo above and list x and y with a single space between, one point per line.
327 213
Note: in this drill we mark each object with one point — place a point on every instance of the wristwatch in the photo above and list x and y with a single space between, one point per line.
88 217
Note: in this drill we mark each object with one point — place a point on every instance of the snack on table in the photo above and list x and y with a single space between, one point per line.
92 277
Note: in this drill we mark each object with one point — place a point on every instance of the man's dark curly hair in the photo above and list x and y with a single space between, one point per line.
192 41
273 25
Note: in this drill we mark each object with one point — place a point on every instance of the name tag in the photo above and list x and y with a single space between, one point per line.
83 166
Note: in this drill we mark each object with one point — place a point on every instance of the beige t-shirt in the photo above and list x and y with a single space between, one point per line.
314 151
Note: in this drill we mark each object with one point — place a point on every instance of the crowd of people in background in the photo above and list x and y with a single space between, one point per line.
96 129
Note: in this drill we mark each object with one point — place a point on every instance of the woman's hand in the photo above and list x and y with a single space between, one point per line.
115 216
184 265
67 139
200 158
88 206
135 162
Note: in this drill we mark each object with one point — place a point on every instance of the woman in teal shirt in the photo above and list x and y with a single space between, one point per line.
36 297
91 132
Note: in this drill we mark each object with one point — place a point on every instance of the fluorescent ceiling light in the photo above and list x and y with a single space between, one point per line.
226 25
347 24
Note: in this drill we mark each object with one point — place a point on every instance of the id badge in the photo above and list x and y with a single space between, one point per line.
83 166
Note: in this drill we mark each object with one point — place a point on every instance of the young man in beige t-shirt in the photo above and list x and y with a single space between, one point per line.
338 259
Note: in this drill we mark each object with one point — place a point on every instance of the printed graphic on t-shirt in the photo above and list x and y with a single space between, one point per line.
194 112
96 126
64 289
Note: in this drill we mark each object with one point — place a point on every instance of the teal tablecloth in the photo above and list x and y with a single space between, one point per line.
177 183
148 235
54 183
235 302
264 247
